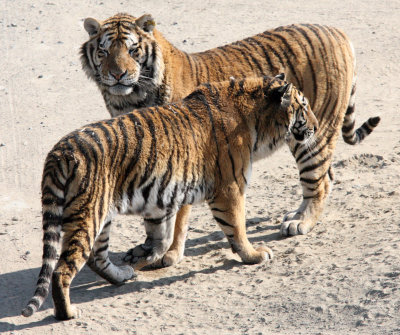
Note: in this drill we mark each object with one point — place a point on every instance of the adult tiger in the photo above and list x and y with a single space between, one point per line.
135 66
150 162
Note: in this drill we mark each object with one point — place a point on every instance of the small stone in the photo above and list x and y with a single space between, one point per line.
14 218
359 323
40 76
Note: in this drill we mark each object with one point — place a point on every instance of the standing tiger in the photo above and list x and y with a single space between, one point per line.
134 66
151 162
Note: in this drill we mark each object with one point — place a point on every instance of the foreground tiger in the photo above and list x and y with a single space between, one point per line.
134 65
152 161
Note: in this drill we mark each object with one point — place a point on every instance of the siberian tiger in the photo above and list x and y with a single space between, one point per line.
152 161
134 65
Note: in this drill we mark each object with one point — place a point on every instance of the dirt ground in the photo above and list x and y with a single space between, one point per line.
342 278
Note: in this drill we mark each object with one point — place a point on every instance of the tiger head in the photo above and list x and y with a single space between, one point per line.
302 122
122 55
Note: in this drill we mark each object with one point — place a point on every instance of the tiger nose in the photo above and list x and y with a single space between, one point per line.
118 75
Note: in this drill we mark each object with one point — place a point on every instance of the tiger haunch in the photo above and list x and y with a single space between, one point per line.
152 161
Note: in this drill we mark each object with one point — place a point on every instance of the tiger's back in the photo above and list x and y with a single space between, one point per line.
317 59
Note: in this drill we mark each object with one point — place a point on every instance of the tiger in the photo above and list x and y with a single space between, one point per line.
150 162
134 66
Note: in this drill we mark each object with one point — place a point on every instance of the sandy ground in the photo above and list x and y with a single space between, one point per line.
342 278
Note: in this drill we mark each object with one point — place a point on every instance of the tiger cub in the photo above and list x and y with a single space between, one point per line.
152 161
134 65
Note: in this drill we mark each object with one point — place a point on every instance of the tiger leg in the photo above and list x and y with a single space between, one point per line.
100 262
229 212
75 252
160 233
175 253
316 179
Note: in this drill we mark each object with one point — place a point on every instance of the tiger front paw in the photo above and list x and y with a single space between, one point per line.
170 258
292 227
257 256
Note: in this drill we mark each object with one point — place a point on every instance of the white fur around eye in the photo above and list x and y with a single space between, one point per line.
132 39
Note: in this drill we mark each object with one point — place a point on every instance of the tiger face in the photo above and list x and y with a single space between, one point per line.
303 123
122 55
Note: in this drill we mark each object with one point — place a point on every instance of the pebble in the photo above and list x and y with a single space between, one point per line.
14 218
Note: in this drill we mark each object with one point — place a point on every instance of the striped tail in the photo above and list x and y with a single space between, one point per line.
350 135
52 209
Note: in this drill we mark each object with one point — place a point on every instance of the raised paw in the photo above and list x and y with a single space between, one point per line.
140 256
295 227
139 251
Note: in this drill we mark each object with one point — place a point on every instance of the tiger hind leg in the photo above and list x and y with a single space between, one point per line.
229 212
76 249
100 262
160 233
316 177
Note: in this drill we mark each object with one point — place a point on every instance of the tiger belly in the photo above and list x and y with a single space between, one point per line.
155 202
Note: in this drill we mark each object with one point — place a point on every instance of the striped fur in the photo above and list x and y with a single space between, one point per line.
152 161
319 60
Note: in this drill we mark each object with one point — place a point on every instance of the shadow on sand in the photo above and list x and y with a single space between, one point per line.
87 287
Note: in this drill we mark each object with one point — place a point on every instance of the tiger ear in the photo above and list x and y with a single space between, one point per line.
146 23
281 76
92 26
286 91
282 95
